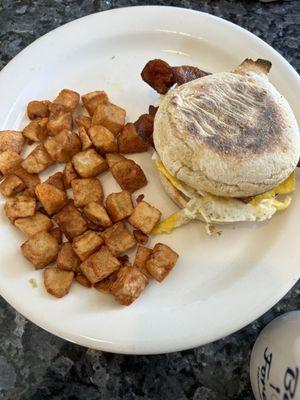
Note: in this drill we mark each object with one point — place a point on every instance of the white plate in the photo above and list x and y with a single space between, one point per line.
219 284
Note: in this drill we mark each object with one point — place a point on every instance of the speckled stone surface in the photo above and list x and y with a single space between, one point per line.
36 365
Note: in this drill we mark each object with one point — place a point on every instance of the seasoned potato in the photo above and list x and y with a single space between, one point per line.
140 237
86 190
59 119
67 259
70 221
96 213
83 280
144 217
68 98
36 130
86 244
9 160
32 225
114 158
56 180
37 161
129 285
110 116
63 146
105 284
38 109
119 205
40 249
58 282
19 207
69 174
161 261
141 257
11 140
11 186
57 233
103 139
85 140
30 180
129 175
99 265
93 99
52 198
130 142
89 163
83 121
118 238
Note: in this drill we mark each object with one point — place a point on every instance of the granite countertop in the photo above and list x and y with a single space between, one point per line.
37 365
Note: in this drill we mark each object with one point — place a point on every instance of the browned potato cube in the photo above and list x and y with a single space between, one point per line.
36 130
58 282
87 244
129 285
38 109
63 146
37 161
144 217
70 221
40 249
83 280
103 139
129 175
9 160
58 120
69 174
32 225
19 207
68 98
57 233
11 140
11 186
89 163
83 121
67 259
130 142
86 190
119 205
56 180
52 198
30 180
99 265
96 213
140 237
118 238
141 257
114 158
85 140
93 99
161 261
110 116
105 284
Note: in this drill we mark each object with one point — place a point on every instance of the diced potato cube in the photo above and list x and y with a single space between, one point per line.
110 116
87 244
30 180
86 190
9 160
85 140
56 180
161 261
114 158
68 98
58 120
19 207
89 163
130 142
58 282
63 146
67 259
11 186
129 175
11 140
119 205
141 257
40 249
93 99
99 265
83 121
129 285
69 174
52 198
83 280
140 237
103 139
70 221
37 161
32 225
118 238
105 284
57 233
36 130
144 217
38 109
96 213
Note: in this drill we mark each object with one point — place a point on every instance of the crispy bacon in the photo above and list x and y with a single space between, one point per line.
144 127
187 73
159 75
152 110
